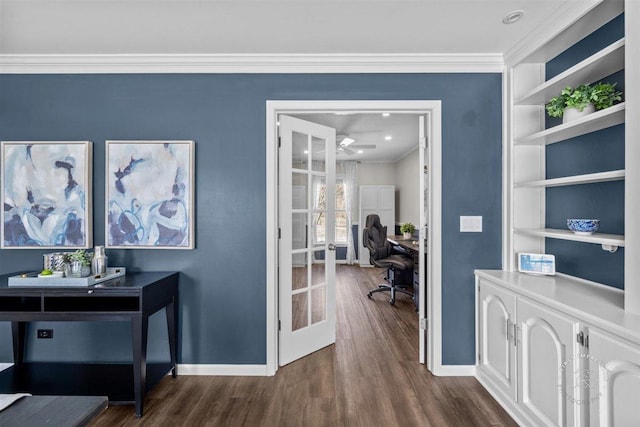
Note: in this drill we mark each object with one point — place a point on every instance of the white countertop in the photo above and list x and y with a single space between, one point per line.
603 306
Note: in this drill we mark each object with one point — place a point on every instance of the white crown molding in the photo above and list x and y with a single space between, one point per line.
240 63
565 15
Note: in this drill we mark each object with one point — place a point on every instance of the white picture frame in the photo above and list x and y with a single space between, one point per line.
47 194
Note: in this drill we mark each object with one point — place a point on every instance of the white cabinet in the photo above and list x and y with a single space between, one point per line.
614 381
496 314
525 353
380 200
555 351
547 368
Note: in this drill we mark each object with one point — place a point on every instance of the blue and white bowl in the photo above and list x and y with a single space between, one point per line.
583 226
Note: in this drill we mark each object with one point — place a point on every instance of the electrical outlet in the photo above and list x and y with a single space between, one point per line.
45 333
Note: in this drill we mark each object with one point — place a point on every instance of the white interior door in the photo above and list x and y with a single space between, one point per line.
306 249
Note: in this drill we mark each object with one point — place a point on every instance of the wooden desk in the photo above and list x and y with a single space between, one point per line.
405 243
132 298
413 250
38 411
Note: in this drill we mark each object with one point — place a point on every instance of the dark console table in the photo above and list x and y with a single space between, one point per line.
131 298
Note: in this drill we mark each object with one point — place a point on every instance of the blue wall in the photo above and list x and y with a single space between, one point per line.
222 290
596 152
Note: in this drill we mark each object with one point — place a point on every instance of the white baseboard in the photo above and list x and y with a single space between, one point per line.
230 370
4 366
454 371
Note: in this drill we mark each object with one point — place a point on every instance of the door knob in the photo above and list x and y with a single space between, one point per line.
332 247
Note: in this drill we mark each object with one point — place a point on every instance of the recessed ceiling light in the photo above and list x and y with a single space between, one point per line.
387 138
512 17
386 114
306 151
360 151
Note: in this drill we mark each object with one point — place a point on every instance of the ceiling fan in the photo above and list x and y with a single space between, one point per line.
345 144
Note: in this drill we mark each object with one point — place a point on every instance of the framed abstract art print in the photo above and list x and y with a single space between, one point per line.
46 190
149 194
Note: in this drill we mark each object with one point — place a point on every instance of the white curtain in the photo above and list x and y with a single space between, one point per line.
347 170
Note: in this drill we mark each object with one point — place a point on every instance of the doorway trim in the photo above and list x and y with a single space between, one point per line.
433 109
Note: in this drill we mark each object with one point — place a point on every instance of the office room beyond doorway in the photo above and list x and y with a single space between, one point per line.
382 140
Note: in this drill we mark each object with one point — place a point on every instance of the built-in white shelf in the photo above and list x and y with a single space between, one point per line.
599 65
599 238
602 13
591 178
601 119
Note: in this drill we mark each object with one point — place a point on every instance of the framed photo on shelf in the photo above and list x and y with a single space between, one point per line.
46 190
149 194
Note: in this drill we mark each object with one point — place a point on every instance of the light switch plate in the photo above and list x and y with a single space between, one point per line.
471 224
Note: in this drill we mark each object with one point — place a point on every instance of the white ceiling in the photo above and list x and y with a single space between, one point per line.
269 26
371 129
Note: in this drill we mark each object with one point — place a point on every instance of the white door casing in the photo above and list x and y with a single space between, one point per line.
307 226
432 281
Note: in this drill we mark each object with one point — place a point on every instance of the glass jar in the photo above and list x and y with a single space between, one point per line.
99 262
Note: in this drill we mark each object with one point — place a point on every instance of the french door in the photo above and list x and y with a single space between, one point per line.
306 245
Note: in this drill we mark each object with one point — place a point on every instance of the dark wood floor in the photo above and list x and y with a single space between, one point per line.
370 377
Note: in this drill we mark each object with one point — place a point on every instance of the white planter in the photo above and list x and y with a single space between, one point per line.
571 113
406 236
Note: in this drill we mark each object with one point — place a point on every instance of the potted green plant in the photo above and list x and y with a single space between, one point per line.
80 263
407 230
573 103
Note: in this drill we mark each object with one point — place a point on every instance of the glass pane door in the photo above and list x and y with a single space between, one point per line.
306 249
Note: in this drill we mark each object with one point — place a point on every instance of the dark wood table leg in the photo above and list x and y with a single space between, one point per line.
172 318
18 331
139 328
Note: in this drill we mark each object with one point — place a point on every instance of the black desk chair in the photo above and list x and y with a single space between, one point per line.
374 237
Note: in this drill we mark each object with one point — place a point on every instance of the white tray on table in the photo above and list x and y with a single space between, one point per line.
32 279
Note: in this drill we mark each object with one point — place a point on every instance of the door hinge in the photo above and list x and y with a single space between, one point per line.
479 357
586 341
423 142
279 325
279 233
424 324
580 338
279 142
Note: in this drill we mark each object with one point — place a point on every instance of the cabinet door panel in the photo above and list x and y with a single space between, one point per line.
497 352
614 382
548 371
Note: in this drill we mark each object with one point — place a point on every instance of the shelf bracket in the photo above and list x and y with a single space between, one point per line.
609 248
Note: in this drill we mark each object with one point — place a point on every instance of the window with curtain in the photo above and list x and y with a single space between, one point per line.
320 194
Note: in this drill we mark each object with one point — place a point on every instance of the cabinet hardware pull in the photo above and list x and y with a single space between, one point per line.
516 341
580 338
508 330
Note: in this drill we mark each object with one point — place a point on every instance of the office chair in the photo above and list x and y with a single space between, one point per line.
374 237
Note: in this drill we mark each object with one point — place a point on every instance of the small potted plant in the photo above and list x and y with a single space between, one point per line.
80 263
573 103
407 230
